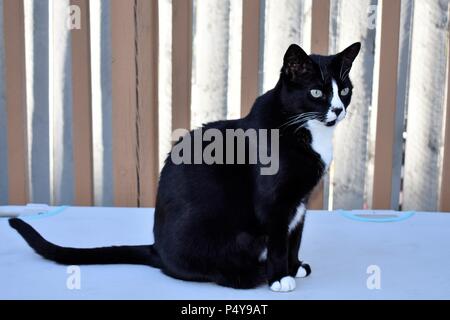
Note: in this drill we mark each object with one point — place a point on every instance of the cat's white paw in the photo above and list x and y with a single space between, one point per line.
301 272
286 284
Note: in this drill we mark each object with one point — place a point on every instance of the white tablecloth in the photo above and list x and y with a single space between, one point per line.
413 257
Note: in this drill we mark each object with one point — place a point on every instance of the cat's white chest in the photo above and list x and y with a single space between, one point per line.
322 140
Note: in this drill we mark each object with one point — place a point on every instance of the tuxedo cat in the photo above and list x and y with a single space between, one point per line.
228 223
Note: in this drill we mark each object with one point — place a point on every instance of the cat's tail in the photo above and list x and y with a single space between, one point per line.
143 254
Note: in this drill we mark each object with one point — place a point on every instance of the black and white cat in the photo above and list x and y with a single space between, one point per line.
227 223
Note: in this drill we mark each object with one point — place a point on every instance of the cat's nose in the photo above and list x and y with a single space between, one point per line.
337 111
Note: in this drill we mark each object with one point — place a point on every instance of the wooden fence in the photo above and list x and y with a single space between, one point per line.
392 152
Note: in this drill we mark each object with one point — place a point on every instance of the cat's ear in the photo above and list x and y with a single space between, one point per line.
296 63
347 56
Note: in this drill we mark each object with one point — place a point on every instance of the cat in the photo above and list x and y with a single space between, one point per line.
228 223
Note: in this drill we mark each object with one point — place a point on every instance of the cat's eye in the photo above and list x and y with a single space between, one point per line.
316 93
345 91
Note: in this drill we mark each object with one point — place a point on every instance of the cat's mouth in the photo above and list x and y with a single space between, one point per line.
330 123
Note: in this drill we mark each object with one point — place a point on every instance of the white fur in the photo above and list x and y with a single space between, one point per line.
263 255
330 116
284 285
292 225
301 272
336 103
322 140
322 136
297 217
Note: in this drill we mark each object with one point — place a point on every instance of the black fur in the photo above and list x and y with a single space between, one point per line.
106 255
213 221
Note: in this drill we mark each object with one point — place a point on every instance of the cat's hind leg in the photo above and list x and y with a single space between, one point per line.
242 267
242 278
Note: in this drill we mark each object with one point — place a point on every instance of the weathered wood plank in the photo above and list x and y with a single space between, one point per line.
15 85
37 78
101 79
82 111
210 61
425 106
385 113
320 21
60 98
124 103
250 65
181 63
282 26
147 100
353 21
3 120
405 42
234 60
444 190
165 79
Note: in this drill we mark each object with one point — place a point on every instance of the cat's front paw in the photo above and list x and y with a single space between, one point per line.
286 284
303 271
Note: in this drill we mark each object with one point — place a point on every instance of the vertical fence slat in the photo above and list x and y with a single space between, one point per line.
234 60
426 103
124 103
181 63
210 61
350 22
407 9
13 19
3 120
37 78
444 197
387 93
283 25
320 21
60 104
100 34
147 68
82 113
444 192
164 79
251 15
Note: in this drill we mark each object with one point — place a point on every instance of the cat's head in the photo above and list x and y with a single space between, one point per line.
317 87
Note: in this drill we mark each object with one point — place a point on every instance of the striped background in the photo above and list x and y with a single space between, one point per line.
86 115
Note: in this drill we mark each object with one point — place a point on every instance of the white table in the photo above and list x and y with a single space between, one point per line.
413 257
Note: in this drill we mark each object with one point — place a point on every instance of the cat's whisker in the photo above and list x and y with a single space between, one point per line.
296 120
303 114
345 75
321 73
299 118
302 121
299 127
